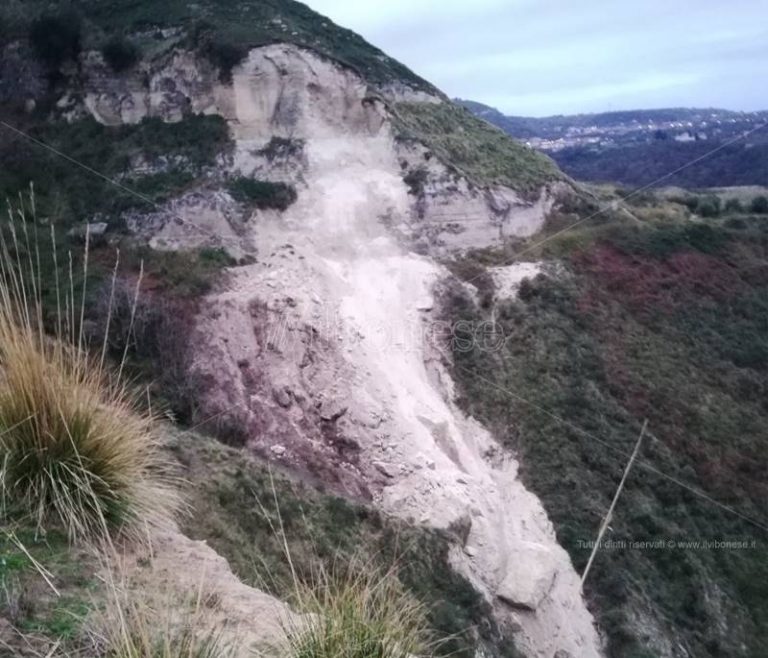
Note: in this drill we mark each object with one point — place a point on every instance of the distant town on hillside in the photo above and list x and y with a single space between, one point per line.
593 147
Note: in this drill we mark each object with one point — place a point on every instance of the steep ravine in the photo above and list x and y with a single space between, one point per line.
323 345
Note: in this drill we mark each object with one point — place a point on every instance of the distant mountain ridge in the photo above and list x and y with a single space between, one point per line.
593 147
561 123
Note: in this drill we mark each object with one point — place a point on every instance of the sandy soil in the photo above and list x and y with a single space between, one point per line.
174 570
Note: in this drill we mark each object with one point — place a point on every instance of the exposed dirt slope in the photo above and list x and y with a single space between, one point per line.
323 348
177 570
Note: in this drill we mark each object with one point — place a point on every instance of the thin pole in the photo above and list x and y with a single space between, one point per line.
609 515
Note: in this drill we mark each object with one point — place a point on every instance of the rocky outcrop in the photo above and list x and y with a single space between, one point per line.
277 90
449 212
178 84
281 91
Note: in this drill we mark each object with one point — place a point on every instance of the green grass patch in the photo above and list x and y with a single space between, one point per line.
27 602
184 274
161 186
262 194
478 150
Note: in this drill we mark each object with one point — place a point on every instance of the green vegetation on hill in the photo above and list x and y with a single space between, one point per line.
68 194
666 321
223 29
27 601
478 150
262 194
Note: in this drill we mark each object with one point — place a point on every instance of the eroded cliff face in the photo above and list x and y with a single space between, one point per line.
283 91
328 347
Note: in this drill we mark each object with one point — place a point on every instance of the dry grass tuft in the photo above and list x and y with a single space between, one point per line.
359 611
129 626
352 609
75 448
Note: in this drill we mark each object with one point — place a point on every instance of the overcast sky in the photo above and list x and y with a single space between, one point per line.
542 57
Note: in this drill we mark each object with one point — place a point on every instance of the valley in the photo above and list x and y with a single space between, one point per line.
639 148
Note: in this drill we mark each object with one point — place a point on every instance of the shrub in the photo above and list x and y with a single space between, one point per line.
709 206
359 613
222 53
75 450
282 147
154 334
759 205
263 194
415 180
56 39
691 202
705 206
120 54
733 206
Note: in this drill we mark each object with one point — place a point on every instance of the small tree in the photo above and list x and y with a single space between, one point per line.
56 39
221 52
733 206
709 206
225 56
262 194
692 203
120 54
759 205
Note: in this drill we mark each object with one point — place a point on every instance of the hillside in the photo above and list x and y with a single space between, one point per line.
301 358
642 147
226 30
660 319
282 194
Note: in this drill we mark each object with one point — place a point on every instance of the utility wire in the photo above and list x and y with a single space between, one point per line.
114 182
645 465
